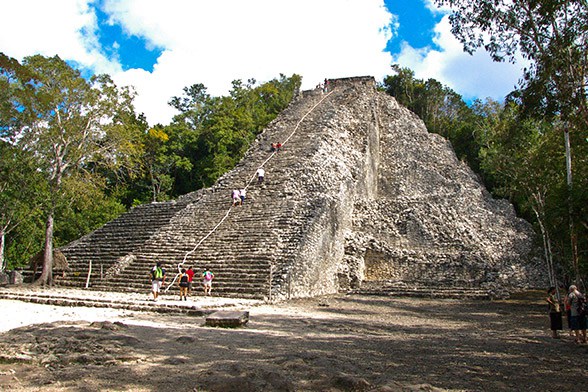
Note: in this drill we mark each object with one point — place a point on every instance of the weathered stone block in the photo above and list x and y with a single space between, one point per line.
227 319
16 278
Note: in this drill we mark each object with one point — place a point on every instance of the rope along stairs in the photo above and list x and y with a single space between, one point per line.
200 216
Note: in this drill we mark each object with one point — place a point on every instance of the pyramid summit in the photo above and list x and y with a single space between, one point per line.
360 195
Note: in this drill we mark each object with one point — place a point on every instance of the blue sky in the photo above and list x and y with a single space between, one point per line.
132 51
416 24
159 47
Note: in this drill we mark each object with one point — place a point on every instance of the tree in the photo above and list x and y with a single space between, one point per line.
21 195
520 158
73 126
552 36
402 86
160 161
193 105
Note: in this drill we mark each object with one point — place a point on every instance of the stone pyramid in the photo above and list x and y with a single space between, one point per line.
361 194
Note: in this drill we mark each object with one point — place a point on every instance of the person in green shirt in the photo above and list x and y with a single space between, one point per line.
157 275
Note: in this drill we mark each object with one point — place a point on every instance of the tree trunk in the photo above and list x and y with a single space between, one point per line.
539 212
46 277
2 246
153 185
573 238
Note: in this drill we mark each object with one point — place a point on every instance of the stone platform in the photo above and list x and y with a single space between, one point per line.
227 319
196 305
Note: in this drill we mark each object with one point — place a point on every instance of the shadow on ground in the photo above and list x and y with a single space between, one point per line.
342 343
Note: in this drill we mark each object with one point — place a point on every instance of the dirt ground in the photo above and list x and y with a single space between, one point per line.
338 343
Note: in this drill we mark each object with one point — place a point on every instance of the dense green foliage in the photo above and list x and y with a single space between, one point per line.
70 128
553 38
21 199
206 138
552 35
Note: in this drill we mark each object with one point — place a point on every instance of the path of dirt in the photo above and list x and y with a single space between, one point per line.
339 343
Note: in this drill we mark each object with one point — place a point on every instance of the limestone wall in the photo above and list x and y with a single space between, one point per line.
433 222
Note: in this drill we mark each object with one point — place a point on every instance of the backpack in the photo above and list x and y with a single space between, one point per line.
581 307
157 273
184 280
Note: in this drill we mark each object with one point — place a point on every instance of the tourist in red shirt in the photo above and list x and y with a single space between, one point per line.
190 274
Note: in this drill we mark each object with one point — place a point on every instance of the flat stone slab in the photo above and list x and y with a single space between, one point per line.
227 318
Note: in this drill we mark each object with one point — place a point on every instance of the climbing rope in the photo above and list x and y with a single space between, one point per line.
289 136
246 186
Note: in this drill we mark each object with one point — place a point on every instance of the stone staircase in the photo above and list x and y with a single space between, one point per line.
116 239
247 253
422 290
195 306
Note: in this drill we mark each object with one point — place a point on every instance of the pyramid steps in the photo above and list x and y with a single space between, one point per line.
383 288
197 305
240 252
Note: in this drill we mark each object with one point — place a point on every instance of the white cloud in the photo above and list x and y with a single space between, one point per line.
209 42
432 6
216 42
52 28
469 75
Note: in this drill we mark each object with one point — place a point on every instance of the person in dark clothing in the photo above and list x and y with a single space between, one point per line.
554 312
184 282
